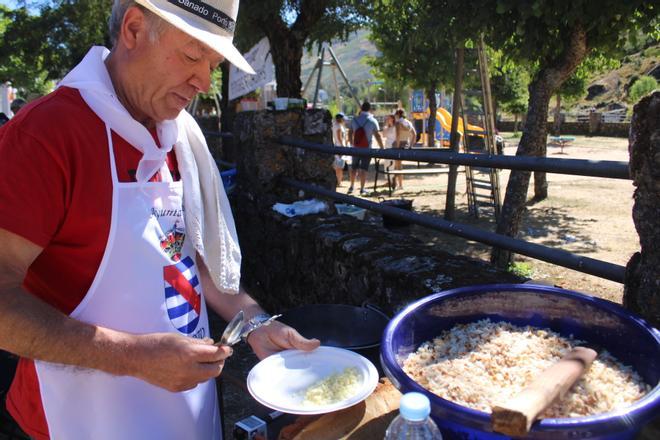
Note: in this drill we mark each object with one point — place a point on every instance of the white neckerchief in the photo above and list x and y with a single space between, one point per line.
209 221
91 78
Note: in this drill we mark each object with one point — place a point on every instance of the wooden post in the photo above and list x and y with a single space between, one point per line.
318 80
454 137
489 119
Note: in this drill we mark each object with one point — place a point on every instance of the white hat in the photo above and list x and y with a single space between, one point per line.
210 21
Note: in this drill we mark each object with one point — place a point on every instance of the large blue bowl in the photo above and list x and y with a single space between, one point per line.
601 323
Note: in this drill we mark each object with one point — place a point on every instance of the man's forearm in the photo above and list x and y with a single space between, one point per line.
33 329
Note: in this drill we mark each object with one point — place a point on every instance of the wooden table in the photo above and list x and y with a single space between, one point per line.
562 141
367 420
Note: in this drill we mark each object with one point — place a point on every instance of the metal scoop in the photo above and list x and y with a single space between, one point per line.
232 333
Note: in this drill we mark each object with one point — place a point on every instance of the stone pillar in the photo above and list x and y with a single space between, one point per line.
261 161
642 284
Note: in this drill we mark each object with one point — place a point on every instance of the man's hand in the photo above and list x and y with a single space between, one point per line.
176 363
276 337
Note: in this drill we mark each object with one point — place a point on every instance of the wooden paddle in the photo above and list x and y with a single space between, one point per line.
515 417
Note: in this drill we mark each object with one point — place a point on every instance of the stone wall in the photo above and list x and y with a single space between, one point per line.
325 258
612 129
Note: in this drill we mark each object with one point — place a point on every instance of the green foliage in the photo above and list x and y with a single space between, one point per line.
321 20
509 82
540 30
642 87
289 26
521 269
37 49
575 87
216 84
333 108
414 49
651 52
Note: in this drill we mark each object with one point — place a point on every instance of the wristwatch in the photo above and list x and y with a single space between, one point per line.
259 320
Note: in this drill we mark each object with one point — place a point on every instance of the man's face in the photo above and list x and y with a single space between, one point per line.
169 73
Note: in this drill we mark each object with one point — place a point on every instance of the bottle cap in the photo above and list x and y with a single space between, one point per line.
415 407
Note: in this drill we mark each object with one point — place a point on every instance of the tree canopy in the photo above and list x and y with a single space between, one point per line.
550 38
290 25
39 48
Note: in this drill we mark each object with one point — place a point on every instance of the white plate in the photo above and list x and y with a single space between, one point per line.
280 380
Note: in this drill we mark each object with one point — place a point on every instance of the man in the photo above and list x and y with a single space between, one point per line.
106 269
405 137
363 128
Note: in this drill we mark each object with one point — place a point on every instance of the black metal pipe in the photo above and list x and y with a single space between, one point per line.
221 134
602 269
580 167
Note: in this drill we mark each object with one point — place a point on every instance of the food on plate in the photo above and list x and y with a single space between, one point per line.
333 388
483 363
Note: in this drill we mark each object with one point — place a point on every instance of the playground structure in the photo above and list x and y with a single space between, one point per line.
443 122
483 188
335 65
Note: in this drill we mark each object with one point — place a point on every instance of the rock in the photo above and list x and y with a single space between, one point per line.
642 284
655 72
595 90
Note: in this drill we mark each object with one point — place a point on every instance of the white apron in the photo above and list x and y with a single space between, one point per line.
147 282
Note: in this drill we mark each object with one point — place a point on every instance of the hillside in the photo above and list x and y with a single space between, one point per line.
611 88
605 90
351 55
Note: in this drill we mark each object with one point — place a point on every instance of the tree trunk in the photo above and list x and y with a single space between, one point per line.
454 137
642 284
287 51
557 118
541 180
533 141
433 107
515 123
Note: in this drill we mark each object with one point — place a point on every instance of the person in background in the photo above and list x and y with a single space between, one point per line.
339 139
405 138
389 137
16 105
364 128
106 269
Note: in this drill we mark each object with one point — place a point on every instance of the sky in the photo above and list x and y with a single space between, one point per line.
14 3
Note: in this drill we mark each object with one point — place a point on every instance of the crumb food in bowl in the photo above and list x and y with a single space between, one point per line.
483 364
603 325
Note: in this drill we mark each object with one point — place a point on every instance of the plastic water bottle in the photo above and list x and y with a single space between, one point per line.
413 421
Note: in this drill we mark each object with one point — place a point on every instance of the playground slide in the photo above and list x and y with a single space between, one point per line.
444 118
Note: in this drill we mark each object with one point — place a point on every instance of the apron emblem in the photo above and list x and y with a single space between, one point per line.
172 242
182 295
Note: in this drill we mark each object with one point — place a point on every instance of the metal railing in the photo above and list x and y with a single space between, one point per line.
606 169
579 167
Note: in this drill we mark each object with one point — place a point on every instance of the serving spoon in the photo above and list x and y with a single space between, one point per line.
237 328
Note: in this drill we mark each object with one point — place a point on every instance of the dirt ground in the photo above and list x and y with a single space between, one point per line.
585 215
